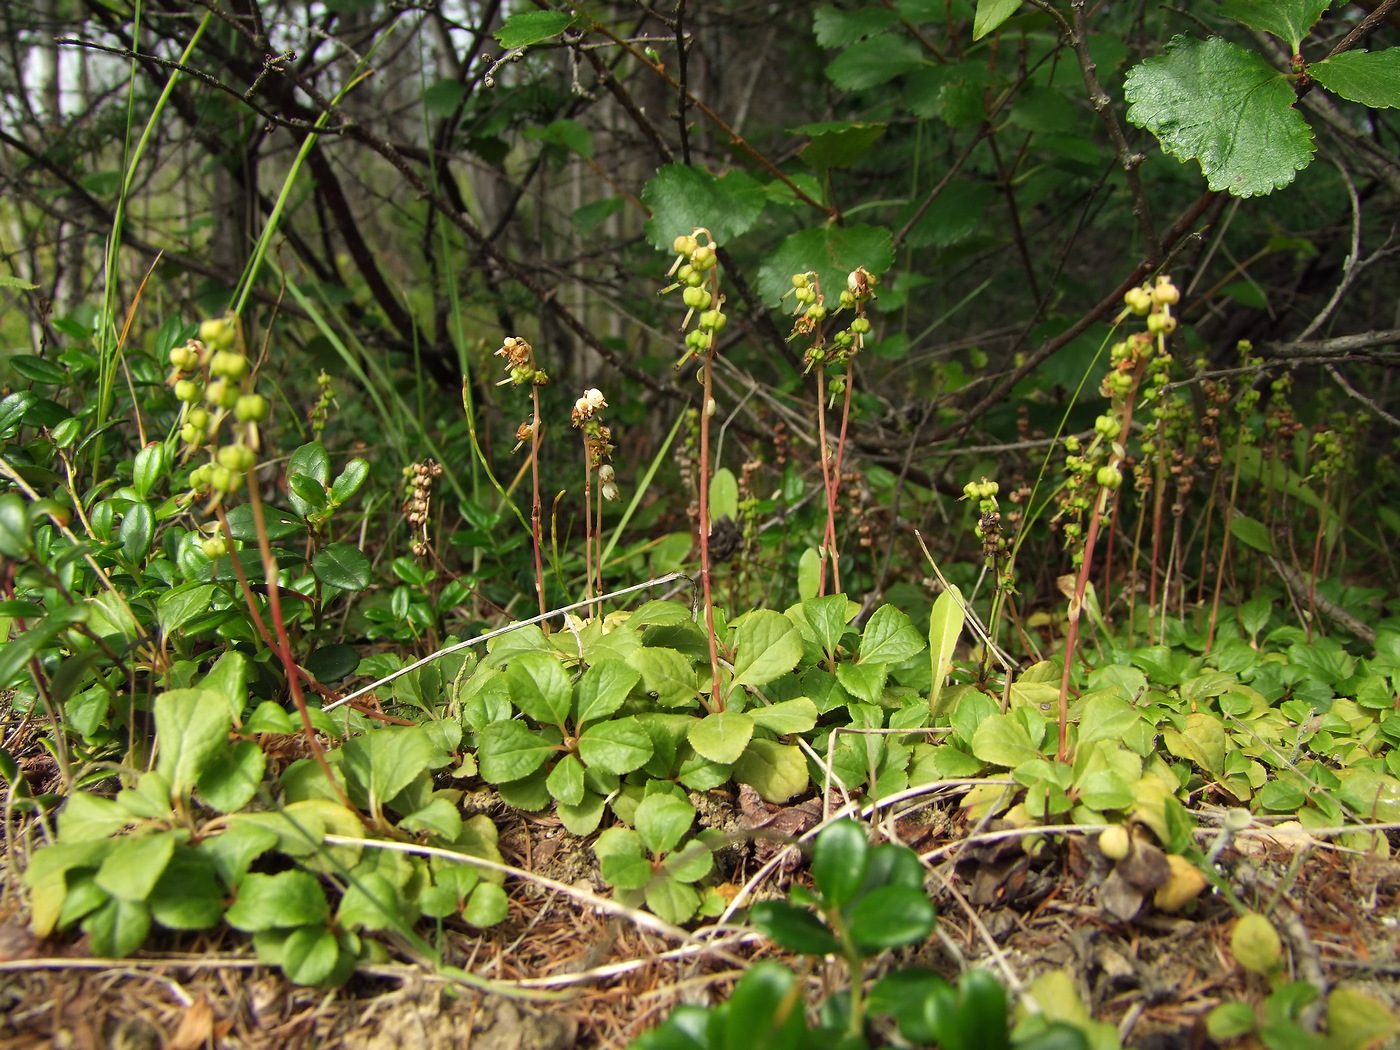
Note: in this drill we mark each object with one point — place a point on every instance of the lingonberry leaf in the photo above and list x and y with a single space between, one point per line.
1225 107
1289 20
1371 78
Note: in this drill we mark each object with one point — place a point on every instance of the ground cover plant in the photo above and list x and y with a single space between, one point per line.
972 624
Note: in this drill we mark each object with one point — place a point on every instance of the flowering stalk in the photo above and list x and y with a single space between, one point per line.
521 371
597 453
845 344
696 266
1120 385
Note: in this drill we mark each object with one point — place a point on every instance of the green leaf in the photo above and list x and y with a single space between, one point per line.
540 688
667 674
721 737
682 197
955 214
865 681
618 746
509 751
231 777
342 565
1002 740
836 28
1225 107
889 916
134 865
839 861
349 481
768 646
192 725
776 771
8 280
487 906
1289 20
118 927
603 689
1371 78
724 495
310 955
380 764
809 565
38 369
620 859
180 605
584 818
828 616
691 862
371 902
1355 1020
314 461
670 900
990 15
1252 533
837 144
531 27
187 895
565 780
265 902
868 63
661 820
790 716
832 251
889 637
796 929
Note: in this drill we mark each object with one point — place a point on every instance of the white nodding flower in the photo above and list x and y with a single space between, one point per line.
594 397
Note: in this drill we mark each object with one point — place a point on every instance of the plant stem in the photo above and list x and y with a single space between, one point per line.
535 532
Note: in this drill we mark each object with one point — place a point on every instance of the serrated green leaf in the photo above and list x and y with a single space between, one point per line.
135 863
790 716
1289 20
836 28
265 902
1371 78
231 777
509 751
1252 533
191 726
768 645
667 674
661 820
832 251
1216 103
990 16
380 764
531 27
889 637
683 197
618 746
776 771
721 737
187 895
877 60
540 688
118 927
1002 740
565 781
603 689
838 144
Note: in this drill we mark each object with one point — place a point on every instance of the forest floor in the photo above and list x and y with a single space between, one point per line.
578 977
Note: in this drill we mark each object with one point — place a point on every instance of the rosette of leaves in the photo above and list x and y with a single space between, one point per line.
570 748
653 861
194 842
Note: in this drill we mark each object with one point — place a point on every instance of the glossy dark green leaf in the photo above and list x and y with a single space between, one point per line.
891 916
330 663
839 860
342 565
1371 78
796 929
37 369
763 1011
1289 20
349 481
137 530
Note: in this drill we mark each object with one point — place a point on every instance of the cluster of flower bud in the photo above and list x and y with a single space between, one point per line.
520 364
691 270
